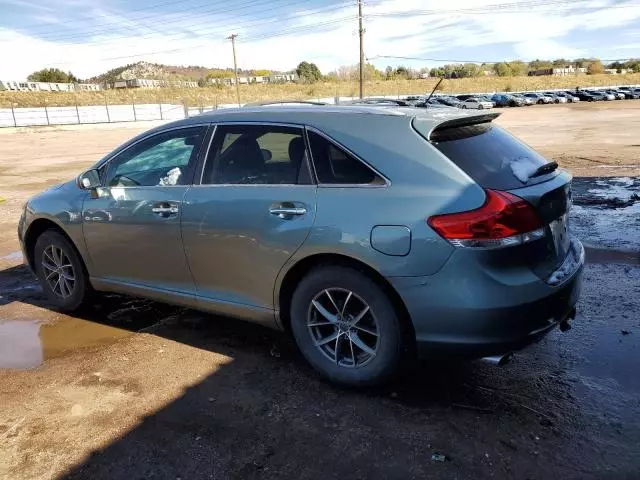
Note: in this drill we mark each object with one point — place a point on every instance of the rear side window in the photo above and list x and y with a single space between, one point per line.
490 156
336 166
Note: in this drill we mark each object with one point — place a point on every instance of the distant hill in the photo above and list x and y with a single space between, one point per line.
167 72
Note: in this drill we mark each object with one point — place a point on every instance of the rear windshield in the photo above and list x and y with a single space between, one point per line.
489 155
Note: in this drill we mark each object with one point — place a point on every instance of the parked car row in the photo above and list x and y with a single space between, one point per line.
508 99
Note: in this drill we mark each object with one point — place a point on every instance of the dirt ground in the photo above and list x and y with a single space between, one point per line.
137 389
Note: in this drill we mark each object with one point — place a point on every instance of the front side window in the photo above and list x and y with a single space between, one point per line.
255 154
161 160
336 166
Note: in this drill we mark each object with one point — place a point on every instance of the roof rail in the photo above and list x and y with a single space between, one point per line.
284 102
379 101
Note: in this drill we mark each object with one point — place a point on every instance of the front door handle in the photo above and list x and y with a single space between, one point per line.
165 209
287 212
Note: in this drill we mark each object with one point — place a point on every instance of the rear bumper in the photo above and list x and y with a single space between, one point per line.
469 312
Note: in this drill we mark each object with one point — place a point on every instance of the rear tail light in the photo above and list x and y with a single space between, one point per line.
504 220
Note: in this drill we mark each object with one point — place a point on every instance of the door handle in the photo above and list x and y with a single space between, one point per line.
284 212
165 209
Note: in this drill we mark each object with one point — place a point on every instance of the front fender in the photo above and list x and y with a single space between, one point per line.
61 207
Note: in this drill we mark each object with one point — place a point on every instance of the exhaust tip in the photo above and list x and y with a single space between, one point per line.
499 360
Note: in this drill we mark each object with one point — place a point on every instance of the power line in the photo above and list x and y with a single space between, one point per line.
515 7
187 13
183 17
219 29
298 29
85 18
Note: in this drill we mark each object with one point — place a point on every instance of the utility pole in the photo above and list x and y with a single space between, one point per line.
232 37
361 33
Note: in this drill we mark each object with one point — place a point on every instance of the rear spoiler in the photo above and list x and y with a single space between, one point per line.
464 120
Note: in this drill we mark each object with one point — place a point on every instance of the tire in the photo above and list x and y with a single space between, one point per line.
69 291
349 364
464 106
480 107
540 102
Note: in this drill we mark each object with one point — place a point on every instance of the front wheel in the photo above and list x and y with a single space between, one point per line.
464 106
346 327
480 107
60 271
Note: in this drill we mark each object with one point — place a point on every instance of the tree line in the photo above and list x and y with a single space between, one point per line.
309 72
514 68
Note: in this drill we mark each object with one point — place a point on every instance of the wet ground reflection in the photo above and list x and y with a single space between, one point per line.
26 344
20 345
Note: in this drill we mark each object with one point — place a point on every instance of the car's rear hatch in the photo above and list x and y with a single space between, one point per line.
499 162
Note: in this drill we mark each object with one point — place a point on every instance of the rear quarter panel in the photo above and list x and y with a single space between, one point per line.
423 182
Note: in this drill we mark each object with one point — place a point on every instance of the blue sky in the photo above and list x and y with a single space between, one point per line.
91 36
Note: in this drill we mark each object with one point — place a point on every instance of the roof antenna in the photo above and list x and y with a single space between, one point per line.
426 102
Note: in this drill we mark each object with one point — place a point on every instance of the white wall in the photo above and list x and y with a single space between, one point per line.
90 114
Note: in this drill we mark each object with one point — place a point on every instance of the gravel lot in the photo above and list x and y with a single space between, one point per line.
138 389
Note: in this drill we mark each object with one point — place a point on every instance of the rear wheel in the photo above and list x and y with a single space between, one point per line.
464 106
480 107
345 326
60 271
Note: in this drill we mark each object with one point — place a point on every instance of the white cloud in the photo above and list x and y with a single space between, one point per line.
546 48
194 39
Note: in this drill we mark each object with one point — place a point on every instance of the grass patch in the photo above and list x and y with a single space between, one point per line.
209 96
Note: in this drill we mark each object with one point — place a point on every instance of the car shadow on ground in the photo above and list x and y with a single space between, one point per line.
267 414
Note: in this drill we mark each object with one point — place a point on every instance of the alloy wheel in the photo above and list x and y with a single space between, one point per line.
343 327
58 271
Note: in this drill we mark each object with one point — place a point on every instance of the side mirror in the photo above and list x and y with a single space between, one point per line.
89 180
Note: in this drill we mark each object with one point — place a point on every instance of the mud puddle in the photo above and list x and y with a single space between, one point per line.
25 344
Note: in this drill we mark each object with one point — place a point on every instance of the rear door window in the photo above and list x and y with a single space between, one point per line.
489 155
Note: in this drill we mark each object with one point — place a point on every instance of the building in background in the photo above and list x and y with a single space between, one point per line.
14 86
283 78
616 71
558 72
245 80
150 83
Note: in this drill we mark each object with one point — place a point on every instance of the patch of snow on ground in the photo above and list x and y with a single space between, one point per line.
620 187
617 228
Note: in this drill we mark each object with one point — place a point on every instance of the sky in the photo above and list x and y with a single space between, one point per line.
88 37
